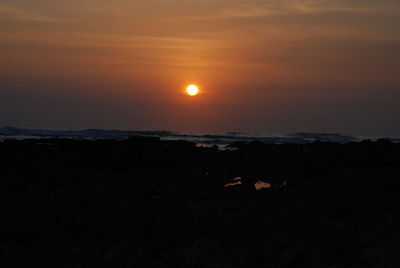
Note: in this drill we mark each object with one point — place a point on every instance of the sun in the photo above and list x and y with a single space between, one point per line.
192 90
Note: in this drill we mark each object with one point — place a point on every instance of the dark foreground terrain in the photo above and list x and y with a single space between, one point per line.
143 202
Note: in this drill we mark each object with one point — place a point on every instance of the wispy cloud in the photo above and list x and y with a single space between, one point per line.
99 40
16 13
256 9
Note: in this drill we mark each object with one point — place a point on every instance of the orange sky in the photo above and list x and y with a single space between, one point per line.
263 66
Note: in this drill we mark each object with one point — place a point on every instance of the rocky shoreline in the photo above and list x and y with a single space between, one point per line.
143 202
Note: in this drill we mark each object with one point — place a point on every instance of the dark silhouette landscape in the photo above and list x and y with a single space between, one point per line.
199 134
143 202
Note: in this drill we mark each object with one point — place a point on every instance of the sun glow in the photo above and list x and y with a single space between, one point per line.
192 90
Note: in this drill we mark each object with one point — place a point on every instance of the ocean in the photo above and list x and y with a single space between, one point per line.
201 139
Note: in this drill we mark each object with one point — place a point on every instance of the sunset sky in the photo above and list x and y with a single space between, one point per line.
261 65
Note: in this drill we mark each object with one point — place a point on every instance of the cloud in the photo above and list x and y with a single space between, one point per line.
257 9
16 13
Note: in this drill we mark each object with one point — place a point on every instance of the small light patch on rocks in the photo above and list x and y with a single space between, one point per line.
235 181
262 185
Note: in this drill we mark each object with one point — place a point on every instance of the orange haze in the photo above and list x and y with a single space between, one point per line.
266 66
